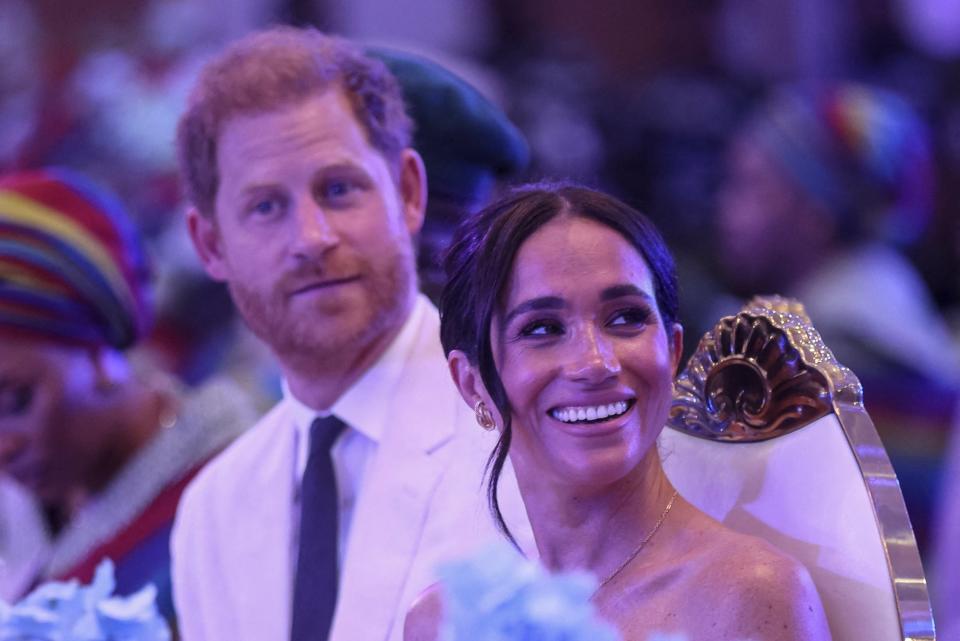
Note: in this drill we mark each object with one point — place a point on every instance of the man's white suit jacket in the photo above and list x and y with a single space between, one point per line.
423 501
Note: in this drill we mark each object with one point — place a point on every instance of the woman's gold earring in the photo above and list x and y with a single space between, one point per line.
484 417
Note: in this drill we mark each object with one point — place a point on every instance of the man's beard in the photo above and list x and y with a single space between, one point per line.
296 336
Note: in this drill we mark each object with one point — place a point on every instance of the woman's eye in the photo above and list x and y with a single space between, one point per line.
630 318
541 328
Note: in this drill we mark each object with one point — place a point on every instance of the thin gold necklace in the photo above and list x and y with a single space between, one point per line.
640 546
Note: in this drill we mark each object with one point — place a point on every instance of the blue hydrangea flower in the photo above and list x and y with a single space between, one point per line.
68 611
134 618
498 595
46 614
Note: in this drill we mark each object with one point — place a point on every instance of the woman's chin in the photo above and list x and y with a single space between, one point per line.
600 469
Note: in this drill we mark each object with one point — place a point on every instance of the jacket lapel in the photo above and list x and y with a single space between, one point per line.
393 508
258 568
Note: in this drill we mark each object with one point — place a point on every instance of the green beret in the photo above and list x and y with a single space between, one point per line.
465 140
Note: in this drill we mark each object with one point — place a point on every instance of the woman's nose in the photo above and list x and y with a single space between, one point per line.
593 358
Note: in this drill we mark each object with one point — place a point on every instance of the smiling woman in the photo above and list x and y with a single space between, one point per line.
560 325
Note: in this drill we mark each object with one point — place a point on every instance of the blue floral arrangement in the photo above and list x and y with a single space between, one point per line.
498 595
69 611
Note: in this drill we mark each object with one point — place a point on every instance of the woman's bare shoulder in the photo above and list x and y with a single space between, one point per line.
761 591
423 618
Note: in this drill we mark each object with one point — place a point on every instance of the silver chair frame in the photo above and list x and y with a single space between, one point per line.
766 372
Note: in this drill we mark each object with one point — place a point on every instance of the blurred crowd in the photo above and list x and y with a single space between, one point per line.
809 148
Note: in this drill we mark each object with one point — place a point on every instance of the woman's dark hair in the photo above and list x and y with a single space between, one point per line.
478 267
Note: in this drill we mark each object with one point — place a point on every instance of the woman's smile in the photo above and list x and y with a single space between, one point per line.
584 353
594 421
592 413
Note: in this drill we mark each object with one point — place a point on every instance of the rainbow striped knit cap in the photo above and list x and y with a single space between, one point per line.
861 151
72 268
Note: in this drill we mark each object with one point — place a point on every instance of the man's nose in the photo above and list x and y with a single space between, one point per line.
314 235
593 358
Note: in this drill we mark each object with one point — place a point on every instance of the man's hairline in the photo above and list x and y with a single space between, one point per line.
394 167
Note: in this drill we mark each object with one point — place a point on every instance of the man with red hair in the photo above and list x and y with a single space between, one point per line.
329 516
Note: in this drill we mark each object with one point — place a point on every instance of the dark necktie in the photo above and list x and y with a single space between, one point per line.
315 588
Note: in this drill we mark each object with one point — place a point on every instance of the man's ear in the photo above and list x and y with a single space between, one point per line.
205 235
675 339
468 380
413 189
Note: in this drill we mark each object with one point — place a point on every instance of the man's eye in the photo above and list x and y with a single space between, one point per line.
15 399
339 191
266 207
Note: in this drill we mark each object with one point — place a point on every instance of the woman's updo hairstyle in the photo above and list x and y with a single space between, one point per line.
478 267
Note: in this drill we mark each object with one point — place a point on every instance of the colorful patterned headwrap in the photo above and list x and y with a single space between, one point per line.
72 268
862 152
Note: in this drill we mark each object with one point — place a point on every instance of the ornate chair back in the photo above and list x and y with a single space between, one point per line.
768 434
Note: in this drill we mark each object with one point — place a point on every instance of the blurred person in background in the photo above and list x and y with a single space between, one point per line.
469 147
106 444
20 86
825 189
24 543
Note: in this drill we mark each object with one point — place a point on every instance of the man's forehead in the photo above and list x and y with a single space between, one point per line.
320 105
322 126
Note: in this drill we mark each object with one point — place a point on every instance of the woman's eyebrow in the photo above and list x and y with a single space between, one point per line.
626 289
543 302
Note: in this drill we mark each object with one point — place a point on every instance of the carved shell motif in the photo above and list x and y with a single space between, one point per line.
760 374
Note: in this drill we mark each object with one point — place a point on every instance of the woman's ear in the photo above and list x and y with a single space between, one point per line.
468 380
675 339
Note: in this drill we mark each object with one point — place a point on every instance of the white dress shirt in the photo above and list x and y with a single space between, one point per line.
365 420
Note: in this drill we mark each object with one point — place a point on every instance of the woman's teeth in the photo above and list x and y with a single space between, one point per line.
589 412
